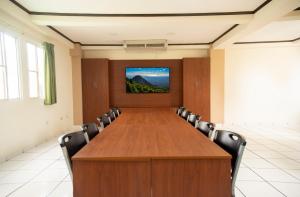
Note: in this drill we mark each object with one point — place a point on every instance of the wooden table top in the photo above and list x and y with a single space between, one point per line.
150 133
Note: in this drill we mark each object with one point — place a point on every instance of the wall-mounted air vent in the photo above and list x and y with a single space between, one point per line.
145 44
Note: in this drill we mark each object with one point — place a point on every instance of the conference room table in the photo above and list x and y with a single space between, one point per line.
151 152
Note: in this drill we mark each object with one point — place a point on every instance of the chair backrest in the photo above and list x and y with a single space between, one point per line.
71 143
205 127
91 130
185 113
111 116
193 119
234 144
115 111
180 110
104 121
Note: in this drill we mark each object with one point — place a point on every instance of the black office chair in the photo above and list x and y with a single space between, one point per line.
234 144
115 111
111 115
70 144
206 128
180 110
90 131
104 121
193 119
118 110
185 113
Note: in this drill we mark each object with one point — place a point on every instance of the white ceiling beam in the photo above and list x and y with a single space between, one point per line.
271 12
297 42
295 15
169 47
15 19
84 21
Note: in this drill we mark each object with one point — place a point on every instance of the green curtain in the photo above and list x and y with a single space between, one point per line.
50 83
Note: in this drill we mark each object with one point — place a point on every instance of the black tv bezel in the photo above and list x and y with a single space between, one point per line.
148 67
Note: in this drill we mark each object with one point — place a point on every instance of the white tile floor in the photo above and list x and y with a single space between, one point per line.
270 167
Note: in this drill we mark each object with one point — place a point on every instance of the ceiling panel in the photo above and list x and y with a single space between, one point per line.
275 31
141 6
174 32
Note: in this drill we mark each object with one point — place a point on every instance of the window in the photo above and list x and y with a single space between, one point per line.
9 67
35 64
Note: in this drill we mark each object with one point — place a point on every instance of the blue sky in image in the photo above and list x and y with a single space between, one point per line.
147 72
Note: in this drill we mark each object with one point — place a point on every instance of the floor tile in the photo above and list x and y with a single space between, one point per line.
270 154
258 189
4 173
34 189
6 189
37 165
276 175
295 173
64 189
249 154
292 154
25 157
285 163
19 176
67 178
238 193
245 174
256 147
51 175
257 163
12 165
289 189
279 147
58 164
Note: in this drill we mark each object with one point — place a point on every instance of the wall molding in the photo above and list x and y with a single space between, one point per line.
269 41
140 15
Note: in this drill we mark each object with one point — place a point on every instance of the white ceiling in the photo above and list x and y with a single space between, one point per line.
173 31
275 31
140 6
184 29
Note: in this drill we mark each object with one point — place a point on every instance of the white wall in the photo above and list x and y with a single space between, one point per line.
262 85
145 53
27 122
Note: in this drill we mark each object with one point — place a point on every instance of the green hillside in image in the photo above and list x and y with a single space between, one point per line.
142 86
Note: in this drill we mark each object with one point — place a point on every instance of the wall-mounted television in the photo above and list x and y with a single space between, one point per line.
147 79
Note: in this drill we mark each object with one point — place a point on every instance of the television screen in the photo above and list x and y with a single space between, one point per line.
147 80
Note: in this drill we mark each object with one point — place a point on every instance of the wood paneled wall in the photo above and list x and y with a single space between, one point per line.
103 86
196 86
95 88
119 97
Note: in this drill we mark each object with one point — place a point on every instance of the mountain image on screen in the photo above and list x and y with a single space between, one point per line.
147 80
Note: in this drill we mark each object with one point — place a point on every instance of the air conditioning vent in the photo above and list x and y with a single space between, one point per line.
146 44
135 45
156 45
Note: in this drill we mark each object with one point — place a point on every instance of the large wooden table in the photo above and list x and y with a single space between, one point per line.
151 152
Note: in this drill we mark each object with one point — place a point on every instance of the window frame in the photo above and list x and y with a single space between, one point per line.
37 71
17 39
